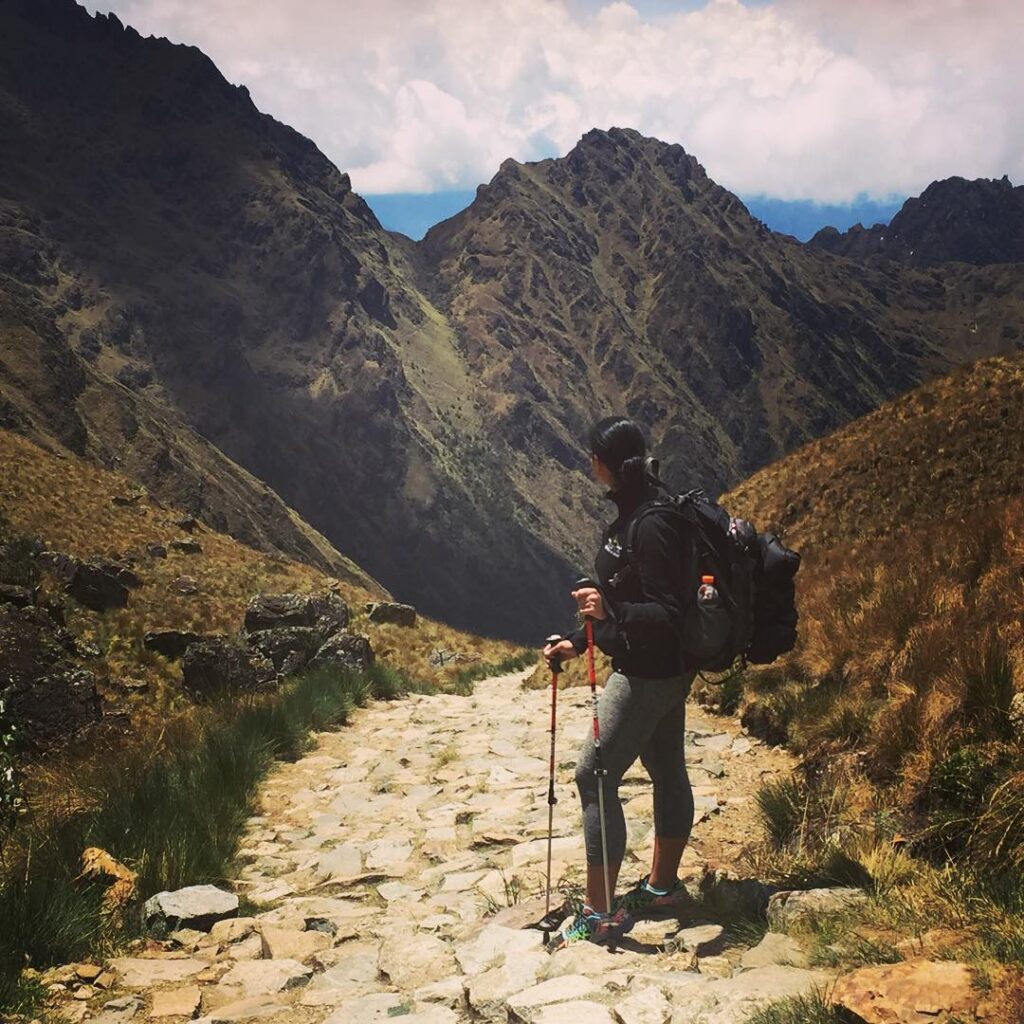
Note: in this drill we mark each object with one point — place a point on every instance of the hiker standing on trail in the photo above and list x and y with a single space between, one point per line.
636 614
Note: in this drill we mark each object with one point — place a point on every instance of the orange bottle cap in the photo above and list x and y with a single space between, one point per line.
707 579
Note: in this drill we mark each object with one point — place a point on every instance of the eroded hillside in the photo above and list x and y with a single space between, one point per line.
176 263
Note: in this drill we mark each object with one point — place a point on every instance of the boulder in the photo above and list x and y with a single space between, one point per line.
187 523
61 565
183 585
171 643
156 550
392 612
700 939
332 613
276 611
187 547
127 500
20 597
290 648
100 586
440 657
31 643
349 652
197 907
220 666
775 948
327 613
52 708
786 908
49 697
912 992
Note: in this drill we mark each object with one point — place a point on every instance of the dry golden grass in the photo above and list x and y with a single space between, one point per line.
69 504
898 655
934 455
911 596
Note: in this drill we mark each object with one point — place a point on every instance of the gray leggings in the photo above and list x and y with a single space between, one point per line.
643 718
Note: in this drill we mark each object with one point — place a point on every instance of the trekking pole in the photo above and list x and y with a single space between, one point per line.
555 664
599 771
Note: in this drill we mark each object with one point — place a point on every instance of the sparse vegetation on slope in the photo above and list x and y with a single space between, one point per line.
902 693
422 404
83 511
167 787
172 812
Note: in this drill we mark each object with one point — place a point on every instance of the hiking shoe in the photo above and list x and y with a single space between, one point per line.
588 926
640 901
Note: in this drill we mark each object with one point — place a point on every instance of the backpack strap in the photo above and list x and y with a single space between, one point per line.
681 505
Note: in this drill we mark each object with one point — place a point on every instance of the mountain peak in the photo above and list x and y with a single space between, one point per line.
955 219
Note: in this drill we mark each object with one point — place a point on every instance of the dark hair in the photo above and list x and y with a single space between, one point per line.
619 443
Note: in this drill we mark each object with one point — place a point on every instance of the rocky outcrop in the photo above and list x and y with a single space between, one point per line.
52 708
914 992
221 667
171 643
101 584
20 597
50 697
327 612
392 612
345 651
186 547
290 630
290 648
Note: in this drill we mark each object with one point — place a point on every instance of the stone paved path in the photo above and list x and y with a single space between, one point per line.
390 869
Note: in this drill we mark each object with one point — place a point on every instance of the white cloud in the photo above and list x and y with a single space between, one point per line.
800 98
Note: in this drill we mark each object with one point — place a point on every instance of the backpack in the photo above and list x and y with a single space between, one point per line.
755 616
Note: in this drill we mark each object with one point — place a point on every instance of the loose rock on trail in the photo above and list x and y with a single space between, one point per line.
390 870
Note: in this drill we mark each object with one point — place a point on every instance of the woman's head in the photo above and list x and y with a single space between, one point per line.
619 445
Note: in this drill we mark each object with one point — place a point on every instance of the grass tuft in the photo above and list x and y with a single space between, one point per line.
462 681
815 1008
174 815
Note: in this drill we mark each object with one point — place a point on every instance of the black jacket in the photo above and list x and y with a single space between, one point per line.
643 601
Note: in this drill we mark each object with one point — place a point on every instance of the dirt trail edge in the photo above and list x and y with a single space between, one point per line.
390 869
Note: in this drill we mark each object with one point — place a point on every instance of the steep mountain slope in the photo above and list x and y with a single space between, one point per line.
185 263
50 394
978 222
911 522
88 512
622 278
944 451
211 259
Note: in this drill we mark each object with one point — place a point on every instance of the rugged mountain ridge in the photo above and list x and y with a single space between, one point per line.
979 222
421 405
205 256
